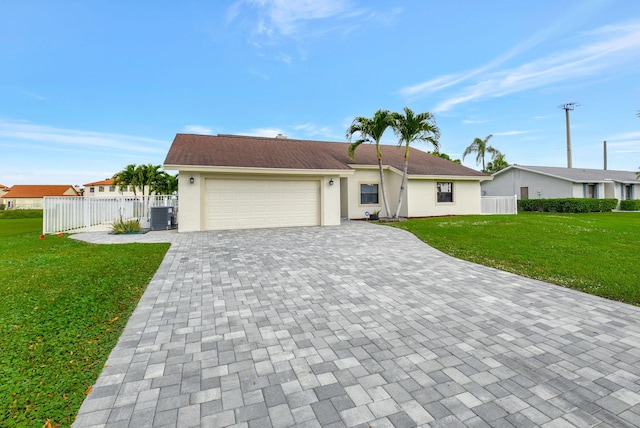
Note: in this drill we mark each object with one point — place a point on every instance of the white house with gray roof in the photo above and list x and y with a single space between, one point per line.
544 182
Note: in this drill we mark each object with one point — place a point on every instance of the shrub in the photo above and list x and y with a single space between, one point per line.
567 205
1 207
122 226
630 205
21 214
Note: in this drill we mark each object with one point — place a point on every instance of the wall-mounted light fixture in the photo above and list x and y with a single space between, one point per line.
331 182
192 180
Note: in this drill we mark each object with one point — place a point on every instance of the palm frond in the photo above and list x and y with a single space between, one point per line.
352 148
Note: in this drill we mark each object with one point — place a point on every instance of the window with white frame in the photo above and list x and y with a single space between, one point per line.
100 188
369 194
445 192
112 188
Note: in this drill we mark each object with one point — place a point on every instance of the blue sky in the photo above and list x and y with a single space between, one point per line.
87 87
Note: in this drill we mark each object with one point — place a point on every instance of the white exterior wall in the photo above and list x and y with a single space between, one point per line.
393 182
190 202
540 186
330 201
423 198
26 203
367 176
108 193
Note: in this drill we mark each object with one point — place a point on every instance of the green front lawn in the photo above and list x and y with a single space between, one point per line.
63 306
596 253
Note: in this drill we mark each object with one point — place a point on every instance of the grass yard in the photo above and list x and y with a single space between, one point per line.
596 253
63 305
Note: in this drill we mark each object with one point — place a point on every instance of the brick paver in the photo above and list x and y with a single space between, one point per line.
359 325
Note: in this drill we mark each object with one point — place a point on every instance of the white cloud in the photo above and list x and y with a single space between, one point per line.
605 49
264 132
508 133
473 122
15 133
197 129
275 19
314 131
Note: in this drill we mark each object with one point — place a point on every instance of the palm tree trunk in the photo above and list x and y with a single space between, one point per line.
383 189
402 186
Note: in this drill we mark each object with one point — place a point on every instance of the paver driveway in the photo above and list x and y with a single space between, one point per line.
360 325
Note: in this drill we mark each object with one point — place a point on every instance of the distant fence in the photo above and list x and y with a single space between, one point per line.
499 204
86 214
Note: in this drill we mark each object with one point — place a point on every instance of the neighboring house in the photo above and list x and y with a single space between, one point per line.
24 196
534 182
3 189
235 182
105 189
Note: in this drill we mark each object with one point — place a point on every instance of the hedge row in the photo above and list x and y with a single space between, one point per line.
567 205
630 205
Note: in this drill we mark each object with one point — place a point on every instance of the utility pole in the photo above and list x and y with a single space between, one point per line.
566 107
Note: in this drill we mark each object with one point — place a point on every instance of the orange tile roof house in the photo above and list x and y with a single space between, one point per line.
27 196
235 182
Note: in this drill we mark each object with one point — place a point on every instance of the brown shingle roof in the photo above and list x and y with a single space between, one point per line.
108 182
261 152
38 191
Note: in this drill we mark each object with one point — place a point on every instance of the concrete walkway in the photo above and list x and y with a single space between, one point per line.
359 325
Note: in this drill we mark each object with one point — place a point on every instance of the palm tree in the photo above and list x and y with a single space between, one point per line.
410 127
126 177
371 131
481 148
498 163
147 176
166 184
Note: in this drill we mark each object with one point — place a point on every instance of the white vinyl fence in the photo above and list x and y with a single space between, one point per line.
499 204
87 214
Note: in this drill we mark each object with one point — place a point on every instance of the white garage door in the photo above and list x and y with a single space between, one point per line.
244 204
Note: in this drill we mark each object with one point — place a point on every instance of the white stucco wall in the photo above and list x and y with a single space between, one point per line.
368 176
27 203
190 197
423 201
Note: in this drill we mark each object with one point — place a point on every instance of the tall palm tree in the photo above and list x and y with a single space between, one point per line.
166 184
481 148
147 176
410 127
126 177
370 131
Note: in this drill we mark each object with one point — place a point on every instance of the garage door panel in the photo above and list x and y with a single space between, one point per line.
241 204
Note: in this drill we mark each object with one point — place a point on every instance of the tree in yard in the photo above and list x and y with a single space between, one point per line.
444 156
127 177
481 148
141 177
370 130
148 176
497 164
410 127
166 184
